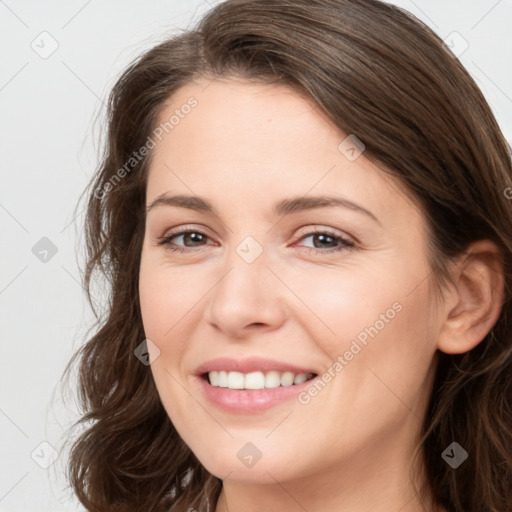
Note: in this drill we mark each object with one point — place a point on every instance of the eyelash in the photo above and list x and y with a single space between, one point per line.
345 244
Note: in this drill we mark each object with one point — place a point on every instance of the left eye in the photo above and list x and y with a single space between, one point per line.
196 237
326 237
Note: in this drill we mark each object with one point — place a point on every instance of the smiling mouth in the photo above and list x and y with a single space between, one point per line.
255 380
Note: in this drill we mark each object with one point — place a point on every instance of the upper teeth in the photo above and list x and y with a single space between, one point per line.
256 380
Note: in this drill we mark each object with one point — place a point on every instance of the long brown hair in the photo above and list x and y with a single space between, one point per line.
380 74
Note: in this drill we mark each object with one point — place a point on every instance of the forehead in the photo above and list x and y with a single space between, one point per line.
240 120
244 141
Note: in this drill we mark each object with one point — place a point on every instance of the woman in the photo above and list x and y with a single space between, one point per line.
301 212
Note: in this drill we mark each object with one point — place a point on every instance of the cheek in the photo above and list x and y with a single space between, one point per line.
168 297
343 304
386 343
388 349
166 303
376 319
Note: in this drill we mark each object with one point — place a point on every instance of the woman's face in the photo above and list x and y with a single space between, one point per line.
274 282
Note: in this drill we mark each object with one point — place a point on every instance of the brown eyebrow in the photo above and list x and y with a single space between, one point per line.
283 207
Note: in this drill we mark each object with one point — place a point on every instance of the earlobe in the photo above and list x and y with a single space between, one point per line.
478 288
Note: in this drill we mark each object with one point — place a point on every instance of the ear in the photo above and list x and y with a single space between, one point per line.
475 300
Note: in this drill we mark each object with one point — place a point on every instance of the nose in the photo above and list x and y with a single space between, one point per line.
247 298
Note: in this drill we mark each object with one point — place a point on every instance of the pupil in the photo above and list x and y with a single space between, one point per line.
323 238
197 236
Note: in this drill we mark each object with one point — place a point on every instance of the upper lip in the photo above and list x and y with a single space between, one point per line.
247 365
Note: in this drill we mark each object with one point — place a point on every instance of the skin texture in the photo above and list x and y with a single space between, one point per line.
244 147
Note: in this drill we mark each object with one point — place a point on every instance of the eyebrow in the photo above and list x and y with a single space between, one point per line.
281 208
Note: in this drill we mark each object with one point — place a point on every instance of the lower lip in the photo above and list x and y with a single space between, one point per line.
249 400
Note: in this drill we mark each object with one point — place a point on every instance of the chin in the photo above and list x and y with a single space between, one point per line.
259 462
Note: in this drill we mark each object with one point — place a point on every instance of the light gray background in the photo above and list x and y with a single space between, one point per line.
48 152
